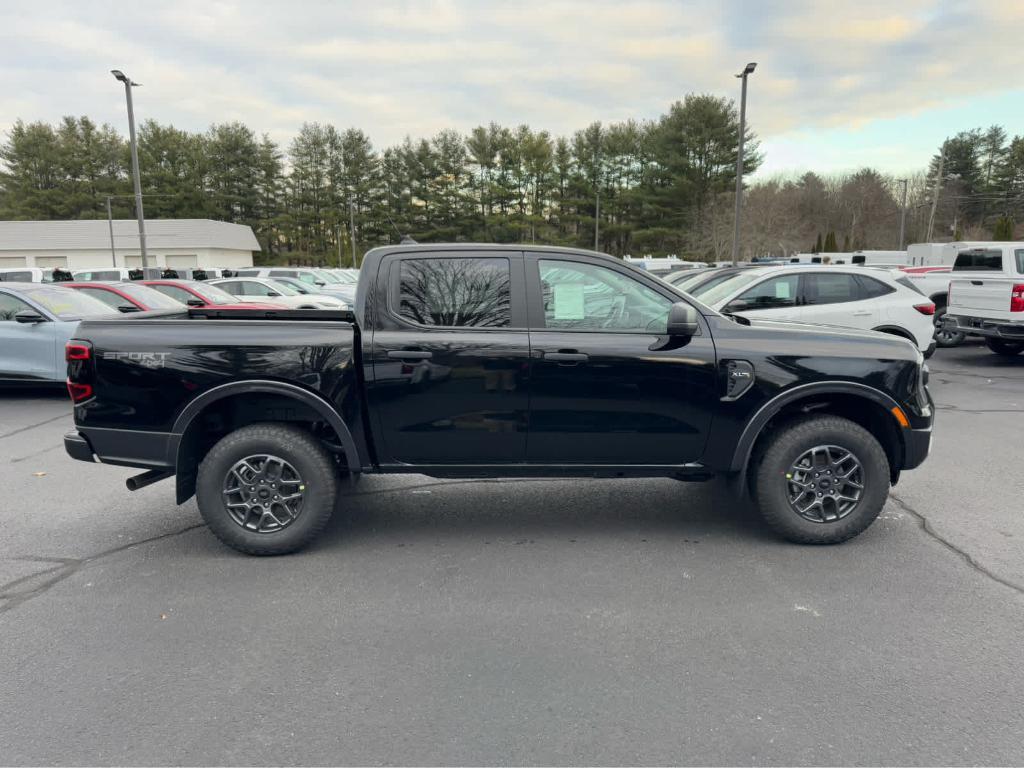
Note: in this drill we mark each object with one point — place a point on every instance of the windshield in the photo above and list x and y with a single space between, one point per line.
327 277
346 277
66 303
148 296
291 282
712 295
212 294
282 288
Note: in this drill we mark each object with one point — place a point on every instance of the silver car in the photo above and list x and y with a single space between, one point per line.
36 320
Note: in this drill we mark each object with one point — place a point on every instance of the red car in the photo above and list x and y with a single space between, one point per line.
196 293
126 297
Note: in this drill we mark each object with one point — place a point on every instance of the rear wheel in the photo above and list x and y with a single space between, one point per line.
266 489
1007 348
943 337
821 480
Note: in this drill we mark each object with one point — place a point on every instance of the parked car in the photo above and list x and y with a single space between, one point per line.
315 278
195 293
484 360
694 279
34 275
306 289
272 292
36 320
120 274
127 297
986 296
850 297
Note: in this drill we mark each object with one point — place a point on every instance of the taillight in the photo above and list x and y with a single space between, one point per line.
1017 298
79 392
925 309
77 350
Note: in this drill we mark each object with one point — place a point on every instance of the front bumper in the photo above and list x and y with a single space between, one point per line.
77 446
916 444
979 326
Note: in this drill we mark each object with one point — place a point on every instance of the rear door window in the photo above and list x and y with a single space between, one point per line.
455 292
832 288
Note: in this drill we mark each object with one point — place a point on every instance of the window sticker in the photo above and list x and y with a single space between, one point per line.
782 289
568 301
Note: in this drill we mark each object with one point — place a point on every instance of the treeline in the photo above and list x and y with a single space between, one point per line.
655 187
644 185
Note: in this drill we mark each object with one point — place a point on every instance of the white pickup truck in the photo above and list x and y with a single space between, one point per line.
986 296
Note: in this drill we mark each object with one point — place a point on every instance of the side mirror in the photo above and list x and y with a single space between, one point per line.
127 308
736 305
29 316
196 303
682 320
320 284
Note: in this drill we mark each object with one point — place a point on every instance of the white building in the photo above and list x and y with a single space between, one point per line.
82 244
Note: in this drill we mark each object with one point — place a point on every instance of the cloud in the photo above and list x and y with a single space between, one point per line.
397 68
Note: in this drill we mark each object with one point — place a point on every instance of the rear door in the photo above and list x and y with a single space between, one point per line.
450 358
837 298
607 386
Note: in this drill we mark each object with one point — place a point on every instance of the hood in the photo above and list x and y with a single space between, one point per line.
819 334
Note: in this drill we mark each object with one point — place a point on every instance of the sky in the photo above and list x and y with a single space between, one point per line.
839 84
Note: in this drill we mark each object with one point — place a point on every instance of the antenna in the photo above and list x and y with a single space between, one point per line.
402 239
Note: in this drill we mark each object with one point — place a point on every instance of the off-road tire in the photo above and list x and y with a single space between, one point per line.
786 445
1005 348
296 446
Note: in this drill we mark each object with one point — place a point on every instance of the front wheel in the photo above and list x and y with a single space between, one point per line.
821 480
1006 348
266 489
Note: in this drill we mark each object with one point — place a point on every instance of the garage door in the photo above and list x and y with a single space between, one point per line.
182 262
51 261
7 262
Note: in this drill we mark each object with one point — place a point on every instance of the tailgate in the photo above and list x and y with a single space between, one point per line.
981 297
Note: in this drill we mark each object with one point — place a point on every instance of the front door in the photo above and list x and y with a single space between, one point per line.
450 358
27 348
607 386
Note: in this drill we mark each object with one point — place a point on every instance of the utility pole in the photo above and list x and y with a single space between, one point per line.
747 70
935 194
352 227
597 200
128 85
903 212
110 223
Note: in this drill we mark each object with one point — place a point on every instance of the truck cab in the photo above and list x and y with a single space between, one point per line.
986 295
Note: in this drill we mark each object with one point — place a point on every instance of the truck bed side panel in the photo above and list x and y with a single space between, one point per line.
148 370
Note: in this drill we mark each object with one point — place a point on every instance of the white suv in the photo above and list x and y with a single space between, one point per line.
271 292
854 297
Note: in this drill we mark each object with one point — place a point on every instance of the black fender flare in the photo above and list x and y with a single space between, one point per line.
745 445
314 401
895 330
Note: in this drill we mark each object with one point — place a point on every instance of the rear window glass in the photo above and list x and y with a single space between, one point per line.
979 260
456 292
149 297
17 277
908 283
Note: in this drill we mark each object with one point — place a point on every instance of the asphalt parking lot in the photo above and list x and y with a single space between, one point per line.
598 622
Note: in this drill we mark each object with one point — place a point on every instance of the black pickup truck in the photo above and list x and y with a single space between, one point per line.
483 361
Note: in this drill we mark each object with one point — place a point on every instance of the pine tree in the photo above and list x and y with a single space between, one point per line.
1004 229
817 245
830 243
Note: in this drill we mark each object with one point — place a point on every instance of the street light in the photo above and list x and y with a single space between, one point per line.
128 84
747 70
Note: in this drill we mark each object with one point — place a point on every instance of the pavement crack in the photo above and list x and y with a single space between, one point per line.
37 453
977 410
14 593
18 431
926 526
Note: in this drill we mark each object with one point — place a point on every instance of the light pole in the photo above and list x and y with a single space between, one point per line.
128 85
110 224
747 70
903 212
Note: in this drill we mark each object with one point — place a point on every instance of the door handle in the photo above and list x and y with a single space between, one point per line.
977 282
409 354
566 357
862 314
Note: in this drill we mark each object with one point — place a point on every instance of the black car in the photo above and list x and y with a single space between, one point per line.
484 360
